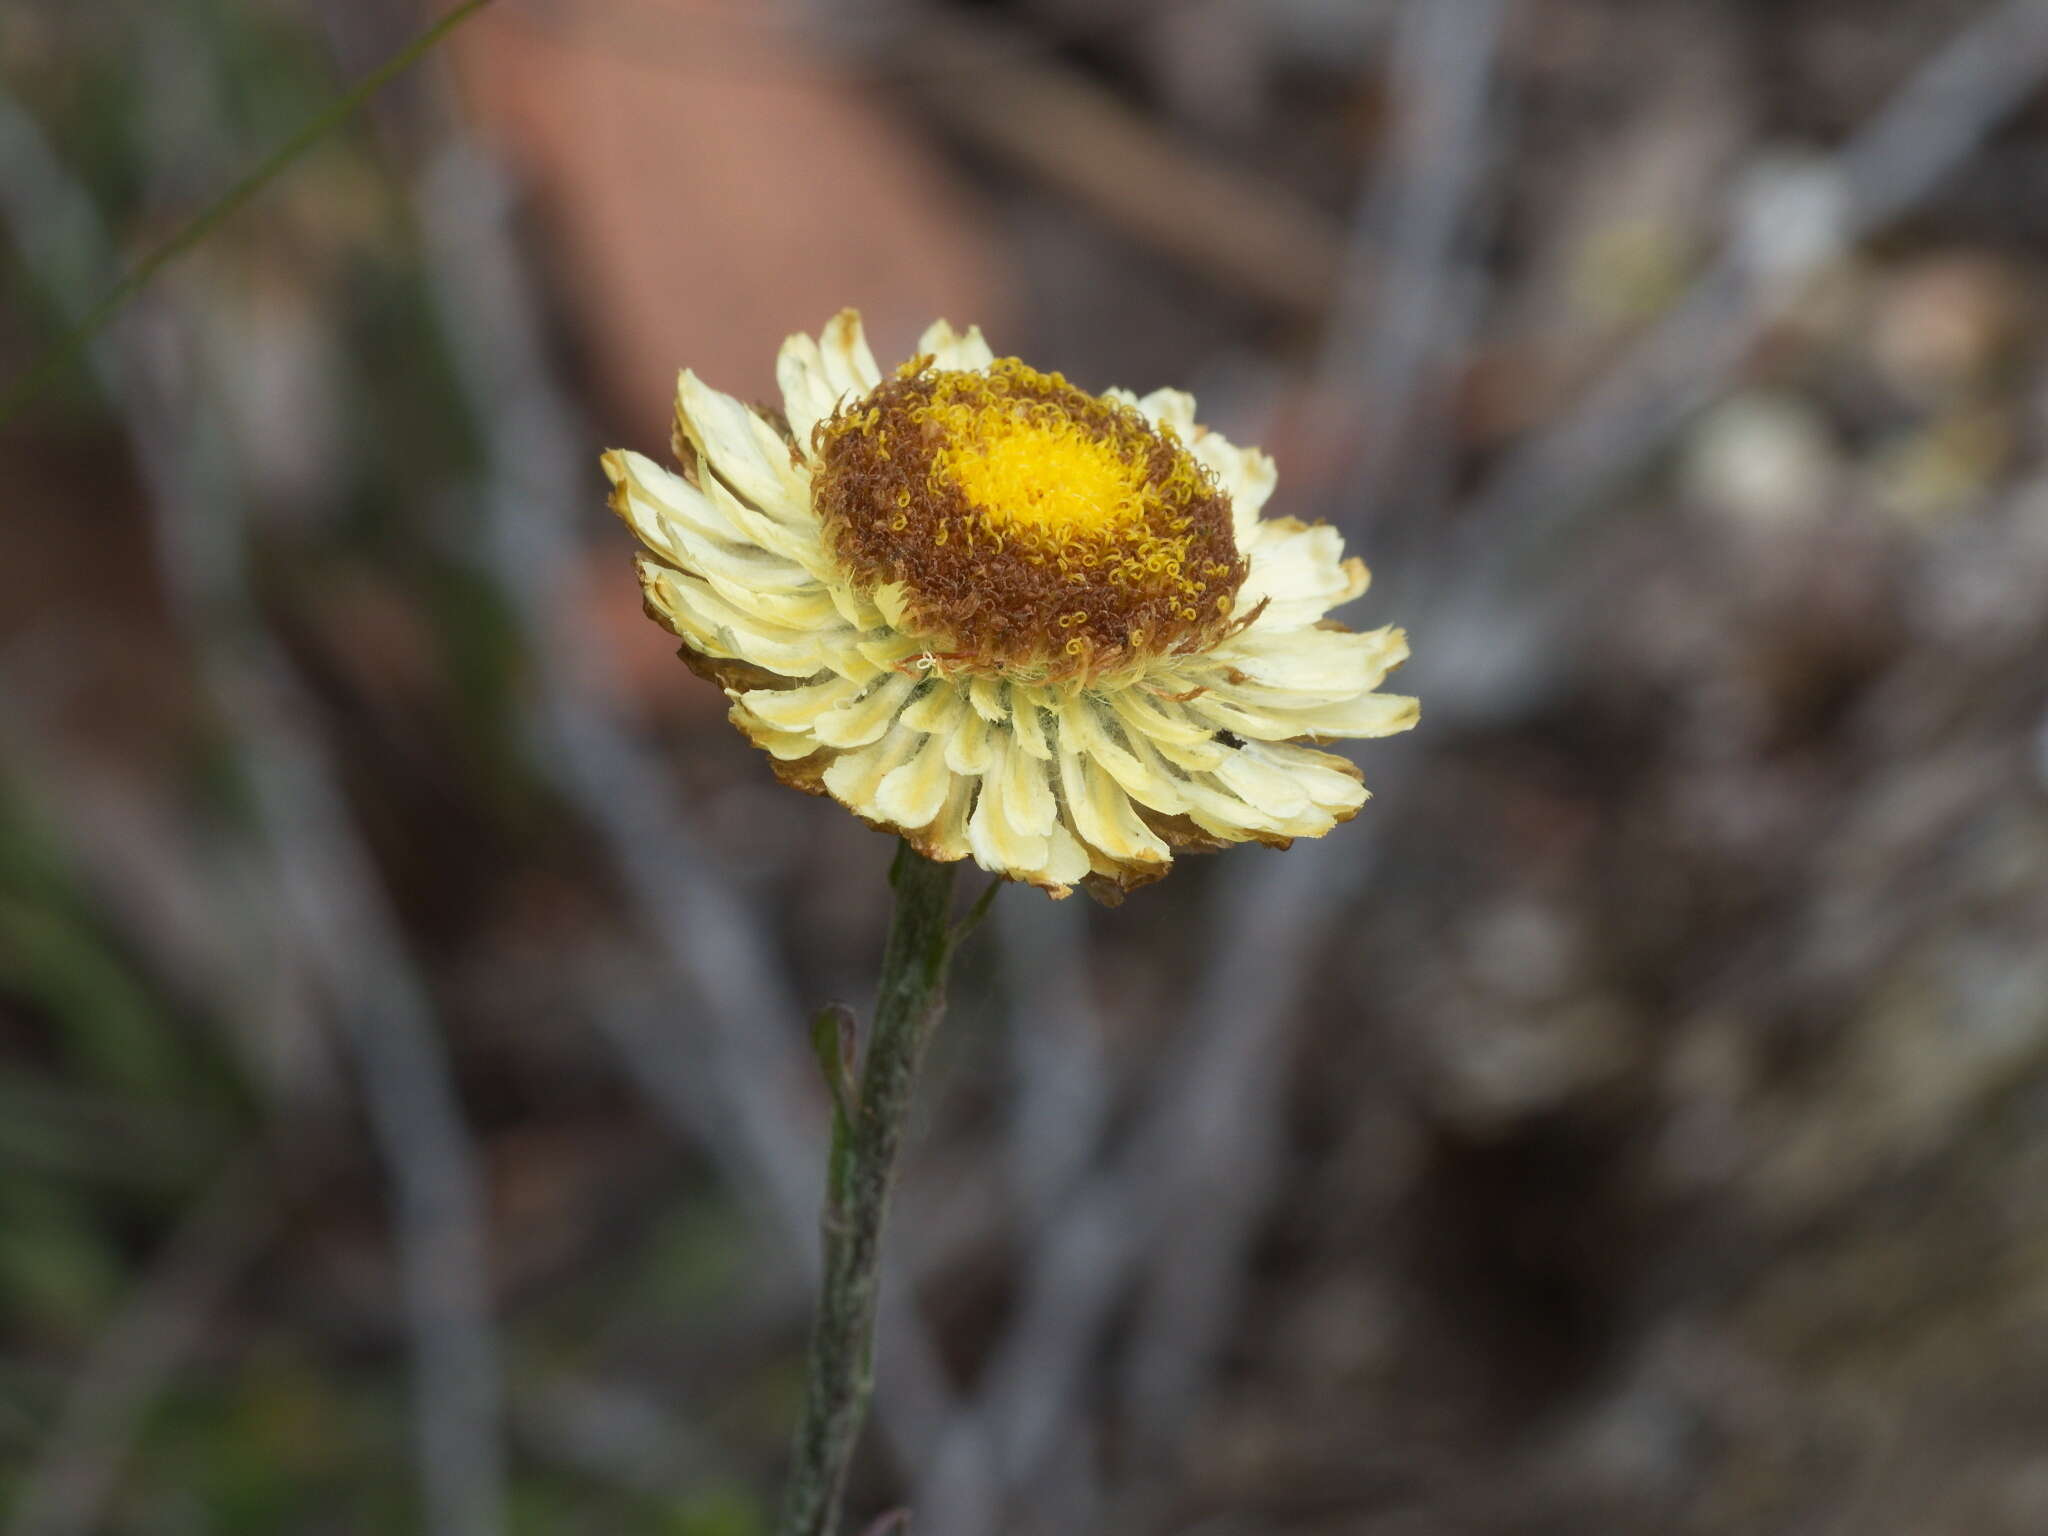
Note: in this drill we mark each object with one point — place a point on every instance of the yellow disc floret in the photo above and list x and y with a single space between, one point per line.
1038 474
1034 529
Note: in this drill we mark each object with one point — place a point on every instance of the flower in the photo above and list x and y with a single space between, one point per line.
1007 619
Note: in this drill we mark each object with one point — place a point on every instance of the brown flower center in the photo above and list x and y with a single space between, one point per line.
1030 528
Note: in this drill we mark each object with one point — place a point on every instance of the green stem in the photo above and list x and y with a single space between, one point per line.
46 367
865 1138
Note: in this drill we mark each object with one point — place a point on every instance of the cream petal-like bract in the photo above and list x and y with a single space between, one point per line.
1059 781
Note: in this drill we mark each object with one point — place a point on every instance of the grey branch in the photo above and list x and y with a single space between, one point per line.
323 877
1271 924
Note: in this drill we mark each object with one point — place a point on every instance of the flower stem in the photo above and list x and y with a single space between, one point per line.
867 1129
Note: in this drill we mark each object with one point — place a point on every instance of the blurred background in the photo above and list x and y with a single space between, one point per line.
1636 1120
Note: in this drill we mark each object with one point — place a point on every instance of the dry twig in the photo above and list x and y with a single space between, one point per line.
322 875
1248 235
1271 925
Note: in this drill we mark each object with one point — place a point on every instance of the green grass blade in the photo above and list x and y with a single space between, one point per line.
66 351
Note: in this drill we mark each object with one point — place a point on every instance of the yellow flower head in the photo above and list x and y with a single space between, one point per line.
1008 619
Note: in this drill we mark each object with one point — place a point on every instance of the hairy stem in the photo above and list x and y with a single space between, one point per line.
867 1129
